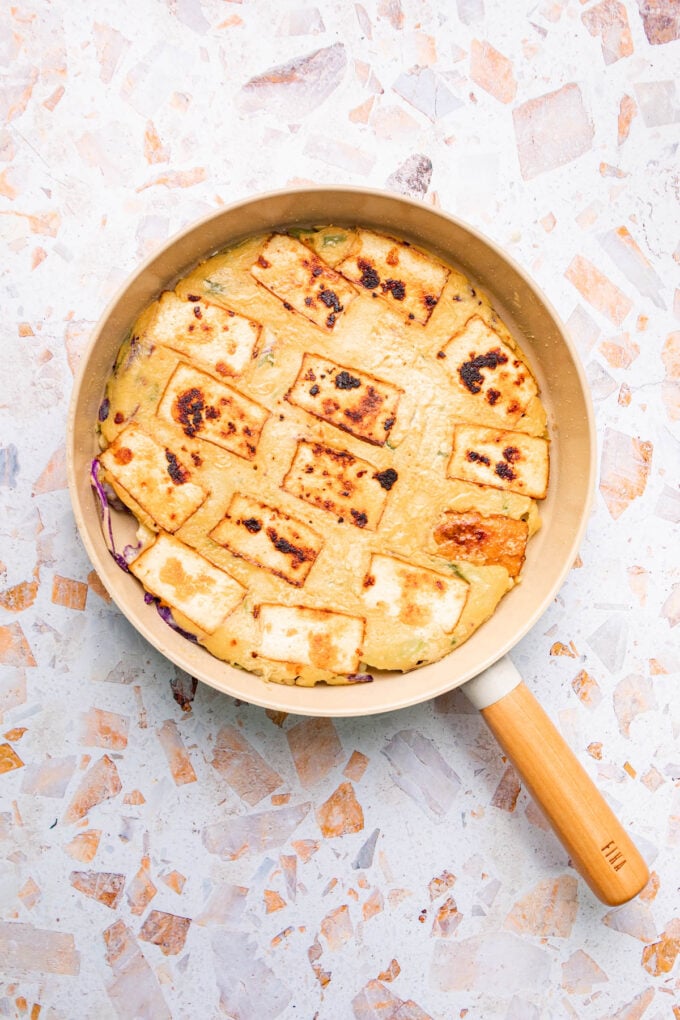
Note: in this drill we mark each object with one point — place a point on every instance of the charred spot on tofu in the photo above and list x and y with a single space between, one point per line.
190 407
212 411
338 482
414 291
351 400
396 288
178 474
470 373
504 470
269 538
386 478
150 476
369 276
330 299
345 381
482 365
501 459
302 281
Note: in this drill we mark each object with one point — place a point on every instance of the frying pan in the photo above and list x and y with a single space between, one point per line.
598 846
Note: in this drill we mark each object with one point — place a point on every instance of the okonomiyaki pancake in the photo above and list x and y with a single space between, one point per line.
334 449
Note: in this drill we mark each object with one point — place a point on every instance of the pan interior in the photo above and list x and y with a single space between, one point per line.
549 353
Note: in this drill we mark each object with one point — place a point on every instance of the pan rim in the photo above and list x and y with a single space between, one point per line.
278 697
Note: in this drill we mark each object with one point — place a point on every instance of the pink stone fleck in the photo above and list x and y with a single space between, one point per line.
580 973
243 767
552 130
598 290
587 689
294 89
100 728
101 782
341 813
181 769
492 71
336 927
25 948
105 887
634 919
441 884
446 919
134 990
627 110
633 695
168 931
670 387
30 894
508 790
624 471
549 909
609 20
316 749
661 20
141 890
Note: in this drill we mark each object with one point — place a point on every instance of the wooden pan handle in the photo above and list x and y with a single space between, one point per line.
605 856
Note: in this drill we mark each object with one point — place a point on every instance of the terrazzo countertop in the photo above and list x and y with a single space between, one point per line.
168 852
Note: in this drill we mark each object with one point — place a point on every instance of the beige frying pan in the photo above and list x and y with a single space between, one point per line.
598 846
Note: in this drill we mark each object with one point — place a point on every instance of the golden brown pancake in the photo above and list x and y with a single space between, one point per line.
334 448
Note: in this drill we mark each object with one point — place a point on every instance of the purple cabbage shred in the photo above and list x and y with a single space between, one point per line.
165 614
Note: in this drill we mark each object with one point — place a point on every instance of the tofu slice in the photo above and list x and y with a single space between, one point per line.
481 365
410 281
213 336
504 460
337 481
311 637
353 401
302 281
186 581
268 538
154 477
419 597
485 540
209 410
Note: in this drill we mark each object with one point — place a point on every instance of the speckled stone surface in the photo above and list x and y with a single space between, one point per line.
167 852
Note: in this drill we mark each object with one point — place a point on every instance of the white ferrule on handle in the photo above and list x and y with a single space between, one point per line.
493 684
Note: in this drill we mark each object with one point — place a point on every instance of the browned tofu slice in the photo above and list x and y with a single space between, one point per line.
155 477
206 409
268 538
213 336
186 581
486 368
409 280
337 481
485 540
302 281
311 637
417 596
353 401
501 459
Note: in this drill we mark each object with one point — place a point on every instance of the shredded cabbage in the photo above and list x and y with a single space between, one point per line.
129 552
165 614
